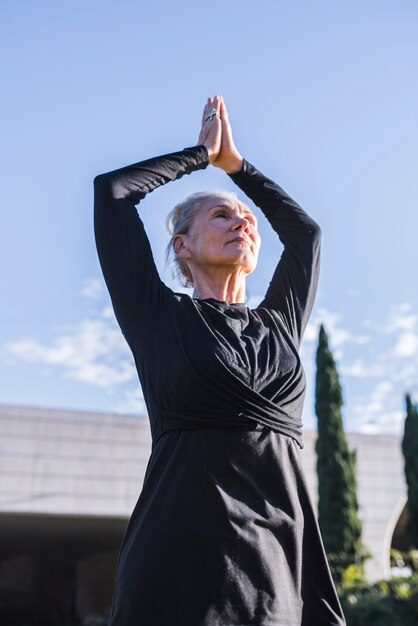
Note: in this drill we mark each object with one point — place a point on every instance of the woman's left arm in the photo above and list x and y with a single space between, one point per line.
294 284
293 287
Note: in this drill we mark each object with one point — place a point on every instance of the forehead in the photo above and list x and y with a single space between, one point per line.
225 201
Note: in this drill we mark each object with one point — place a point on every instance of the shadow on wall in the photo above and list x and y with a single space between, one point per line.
399 537
56 570
55 592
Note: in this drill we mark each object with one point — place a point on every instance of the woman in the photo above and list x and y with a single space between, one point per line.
223 533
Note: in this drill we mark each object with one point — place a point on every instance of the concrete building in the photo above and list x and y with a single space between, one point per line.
69 481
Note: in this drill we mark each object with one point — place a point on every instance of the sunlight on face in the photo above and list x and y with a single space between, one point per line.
224 233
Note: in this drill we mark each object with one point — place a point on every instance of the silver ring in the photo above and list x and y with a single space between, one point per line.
211 115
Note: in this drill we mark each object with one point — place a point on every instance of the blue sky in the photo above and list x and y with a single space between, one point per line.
322 97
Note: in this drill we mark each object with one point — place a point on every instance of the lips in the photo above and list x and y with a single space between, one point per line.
241 240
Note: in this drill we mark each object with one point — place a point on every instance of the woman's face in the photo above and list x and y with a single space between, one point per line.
223 234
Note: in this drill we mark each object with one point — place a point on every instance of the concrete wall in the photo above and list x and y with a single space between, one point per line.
68 463
71 462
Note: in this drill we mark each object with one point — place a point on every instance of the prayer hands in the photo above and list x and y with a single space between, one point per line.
216 136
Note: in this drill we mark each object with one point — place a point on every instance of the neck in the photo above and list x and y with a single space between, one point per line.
227 288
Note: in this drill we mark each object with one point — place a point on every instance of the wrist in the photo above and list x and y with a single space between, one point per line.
234 164
211 153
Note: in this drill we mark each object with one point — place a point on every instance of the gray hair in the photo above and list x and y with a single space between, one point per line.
179 221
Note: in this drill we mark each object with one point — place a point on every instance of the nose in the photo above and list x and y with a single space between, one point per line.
241 223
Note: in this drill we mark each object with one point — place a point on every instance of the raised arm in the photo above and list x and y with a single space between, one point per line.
294 284
124 251
293 287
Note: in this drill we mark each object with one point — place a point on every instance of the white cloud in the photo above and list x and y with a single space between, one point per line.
390 422
379 412
383 388
400 358
133 402
311 333
406 345
400 317
408 375
338 335
93 289
93 351
107 312
359 369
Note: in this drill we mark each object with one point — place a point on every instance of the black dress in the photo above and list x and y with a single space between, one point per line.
223 533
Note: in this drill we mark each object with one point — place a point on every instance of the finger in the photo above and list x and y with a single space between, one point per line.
224 110
213 105
226 125
213 110
205 109
217 104
225 116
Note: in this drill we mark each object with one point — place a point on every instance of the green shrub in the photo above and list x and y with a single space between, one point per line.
407 558
385 603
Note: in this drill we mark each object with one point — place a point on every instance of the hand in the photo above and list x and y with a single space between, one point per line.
228 158
211 131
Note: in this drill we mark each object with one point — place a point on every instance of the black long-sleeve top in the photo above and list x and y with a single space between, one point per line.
238 364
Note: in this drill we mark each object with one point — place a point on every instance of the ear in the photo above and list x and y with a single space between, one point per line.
180 246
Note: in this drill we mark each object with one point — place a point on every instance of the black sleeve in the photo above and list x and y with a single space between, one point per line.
293 287
124 251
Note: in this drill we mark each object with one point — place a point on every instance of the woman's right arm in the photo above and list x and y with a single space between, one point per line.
124 251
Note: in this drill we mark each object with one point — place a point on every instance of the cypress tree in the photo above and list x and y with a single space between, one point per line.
337 493
410 452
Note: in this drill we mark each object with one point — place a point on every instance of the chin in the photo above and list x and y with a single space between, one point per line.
248 268
247 265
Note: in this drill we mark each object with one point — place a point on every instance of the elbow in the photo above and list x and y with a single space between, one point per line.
100 181
104 187
315 232
315 235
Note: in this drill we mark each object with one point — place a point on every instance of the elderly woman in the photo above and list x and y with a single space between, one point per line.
223 533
